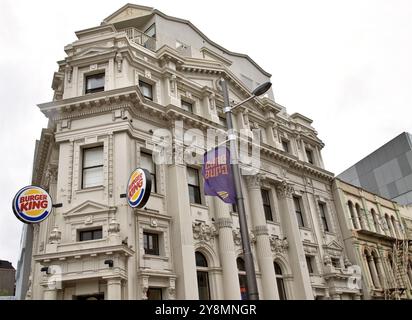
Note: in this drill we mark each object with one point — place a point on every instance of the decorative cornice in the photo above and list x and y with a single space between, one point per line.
224 223
261 230
285 189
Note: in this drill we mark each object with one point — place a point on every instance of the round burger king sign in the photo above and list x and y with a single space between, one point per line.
139 188
32 204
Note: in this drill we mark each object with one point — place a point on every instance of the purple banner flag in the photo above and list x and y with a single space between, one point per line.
217 173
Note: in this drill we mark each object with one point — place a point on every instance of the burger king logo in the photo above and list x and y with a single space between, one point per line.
139 188
32 204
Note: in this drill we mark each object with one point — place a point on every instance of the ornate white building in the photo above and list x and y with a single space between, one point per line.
139 71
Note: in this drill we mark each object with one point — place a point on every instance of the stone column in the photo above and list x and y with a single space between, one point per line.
114 289
231 287
297 257
374 273
178 206
263 250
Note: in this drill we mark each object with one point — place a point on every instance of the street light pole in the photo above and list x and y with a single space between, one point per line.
252 290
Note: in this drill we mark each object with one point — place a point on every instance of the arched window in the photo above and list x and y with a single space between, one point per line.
280 282
353 215
242 278
392 270
375 220
202 276
359 214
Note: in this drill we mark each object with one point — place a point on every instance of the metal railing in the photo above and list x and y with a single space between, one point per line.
138 37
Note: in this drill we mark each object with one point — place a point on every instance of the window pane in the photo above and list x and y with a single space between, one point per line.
85 235
92 157
95 83
281 289
203 285
194 194
243 286
92 177
146 90
193 176
265 197
151 243
285 145
146 162
187 106
309 264
200 260
309 155
97 234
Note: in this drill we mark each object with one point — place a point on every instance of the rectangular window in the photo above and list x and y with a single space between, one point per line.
92 171
309 264
298 210
309 156
285 145
187 106
266 205
88 235
234 208
154 294
94 83
146 89
322 208
194 185
151 243
146 162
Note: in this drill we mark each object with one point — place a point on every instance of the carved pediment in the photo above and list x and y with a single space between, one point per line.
127 12
89 207
93 51
333 245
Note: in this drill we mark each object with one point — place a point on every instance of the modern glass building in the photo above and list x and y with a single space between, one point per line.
386 171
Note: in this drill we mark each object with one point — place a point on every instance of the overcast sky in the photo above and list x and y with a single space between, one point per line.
345 64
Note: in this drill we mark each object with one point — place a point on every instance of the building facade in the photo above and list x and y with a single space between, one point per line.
142 71
386 171
377 235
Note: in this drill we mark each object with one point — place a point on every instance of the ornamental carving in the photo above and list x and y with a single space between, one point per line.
254 181
55 235
224 223
203 232
114 226
119 60
278 245
285 189
237 239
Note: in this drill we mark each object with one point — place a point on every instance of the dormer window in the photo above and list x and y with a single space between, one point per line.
94 83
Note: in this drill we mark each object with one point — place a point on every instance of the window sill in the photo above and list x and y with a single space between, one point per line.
330 233
200 206
274 223
84 190
305 229
91 241
155 257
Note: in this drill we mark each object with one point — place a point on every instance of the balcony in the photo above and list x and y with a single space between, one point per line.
138 37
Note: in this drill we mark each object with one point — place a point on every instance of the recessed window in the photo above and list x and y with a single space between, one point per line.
151 243
322 208
154 294
285 145
266 205
92 171
187 106
202 277
298 211
335 262
279 281
234 208
146 89
194 185
88 235
309 262
309 156
94 83
146 162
